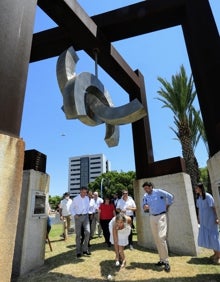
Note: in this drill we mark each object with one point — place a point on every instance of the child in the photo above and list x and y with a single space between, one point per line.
120 228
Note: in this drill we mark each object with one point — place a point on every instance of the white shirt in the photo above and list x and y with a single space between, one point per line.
97 202
80 205
123 205
65 206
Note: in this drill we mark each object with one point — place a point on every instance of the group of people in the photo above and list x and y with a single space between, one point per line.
115 220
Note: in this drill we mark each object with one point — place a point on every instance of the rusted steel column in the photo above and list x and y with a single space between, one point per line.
203 45
16 21
143 149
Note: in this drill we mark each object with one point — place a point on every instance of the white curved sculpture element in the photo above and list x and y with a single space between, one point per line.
85 98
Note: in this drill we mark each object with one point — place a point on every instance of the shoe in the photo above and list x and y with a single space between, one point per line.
160 263
131 247
78 255
123 264
216 261
117 263
212 257
87 253
167 267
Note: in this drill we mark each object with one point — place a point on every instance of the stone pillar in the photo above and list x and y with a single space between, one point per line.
182 219
213 165
11 169
31 230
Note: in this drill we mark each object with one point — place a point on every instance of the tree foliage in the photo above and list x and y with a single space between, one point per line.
54 202
178 96
113 182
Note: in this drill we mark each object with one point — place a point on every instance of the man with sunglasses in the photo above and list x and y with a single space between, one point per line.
127 206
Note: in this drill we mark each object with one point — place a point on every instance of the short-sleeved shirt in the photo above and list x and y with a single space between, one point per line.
65 206
158 200
122 205
106 211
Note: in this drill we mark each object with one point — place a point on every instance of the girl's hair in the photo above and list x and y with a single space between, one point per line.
120 216
201 186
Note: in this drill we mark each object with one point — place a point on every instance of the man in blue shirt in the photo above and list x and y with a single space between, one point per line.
157 202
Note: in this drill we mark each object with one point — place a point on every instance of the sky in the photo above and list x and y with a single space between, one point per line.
44 126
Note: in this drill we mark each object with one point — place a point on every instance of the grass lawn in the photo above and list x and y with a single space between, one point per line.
62 265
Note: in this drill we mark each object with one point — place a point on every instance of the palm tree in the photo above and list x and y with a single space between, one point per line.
178 96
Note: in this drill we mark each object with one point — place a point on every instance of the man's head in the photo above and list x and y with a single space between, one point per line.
124 194
83 191
96 194
148 187
66 195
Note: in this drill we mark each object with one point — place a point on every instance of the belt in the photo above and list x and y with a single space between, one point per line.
81 214
159 213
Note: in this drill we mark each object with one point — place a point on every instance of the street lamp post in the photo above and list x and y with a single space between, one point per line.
108 185
102 187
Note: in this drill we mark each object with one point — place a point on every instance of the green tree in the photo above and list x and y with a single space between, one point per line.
54 202
204 176
113 182
179 96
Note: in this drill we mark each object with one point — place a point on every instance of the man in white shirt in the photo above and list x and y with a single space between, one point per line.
96 202
127 206
65 213
80 210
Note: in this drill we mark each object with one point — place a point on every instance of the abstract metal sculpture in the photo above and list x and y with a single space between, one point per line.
86 99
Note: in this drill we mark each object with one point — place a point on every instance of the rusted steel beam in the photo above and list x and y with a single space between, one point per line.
132 20
203 46
82 29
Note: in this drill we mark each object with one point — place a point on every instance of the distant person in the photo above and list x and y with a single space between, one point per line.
120 228
80 210
65 214
91 211
208 220
106 213
49 223
96 202
115 199
127 205
157 202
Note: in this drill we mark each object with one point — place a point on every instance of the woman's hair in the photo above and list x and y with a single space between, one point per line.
120 216
201 186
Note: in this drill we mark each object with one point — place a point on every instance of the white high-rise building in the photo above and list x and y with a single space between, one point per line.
85 169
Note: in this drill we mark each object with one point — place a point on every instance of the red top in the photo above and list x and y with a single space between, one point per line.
106 211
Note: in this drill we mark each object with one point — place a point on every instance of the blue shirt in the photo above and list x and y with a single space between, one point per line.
158 201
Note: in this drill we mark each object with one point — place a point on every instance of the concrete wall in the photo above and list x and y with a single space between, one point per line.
11 167
213 165
182 219
31 231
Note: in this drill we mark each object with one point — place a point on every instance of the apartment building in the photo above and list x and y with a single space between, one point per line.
85 169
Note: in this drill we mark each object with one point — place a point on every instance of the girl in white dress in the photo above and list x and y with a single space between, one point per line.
120 228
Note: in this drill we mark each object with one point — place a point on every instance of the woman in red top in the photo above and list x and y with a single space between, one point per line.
106 213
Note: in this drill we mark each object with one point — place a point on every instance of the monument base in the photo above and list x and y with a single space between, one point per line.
11 169
182 219
29 251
